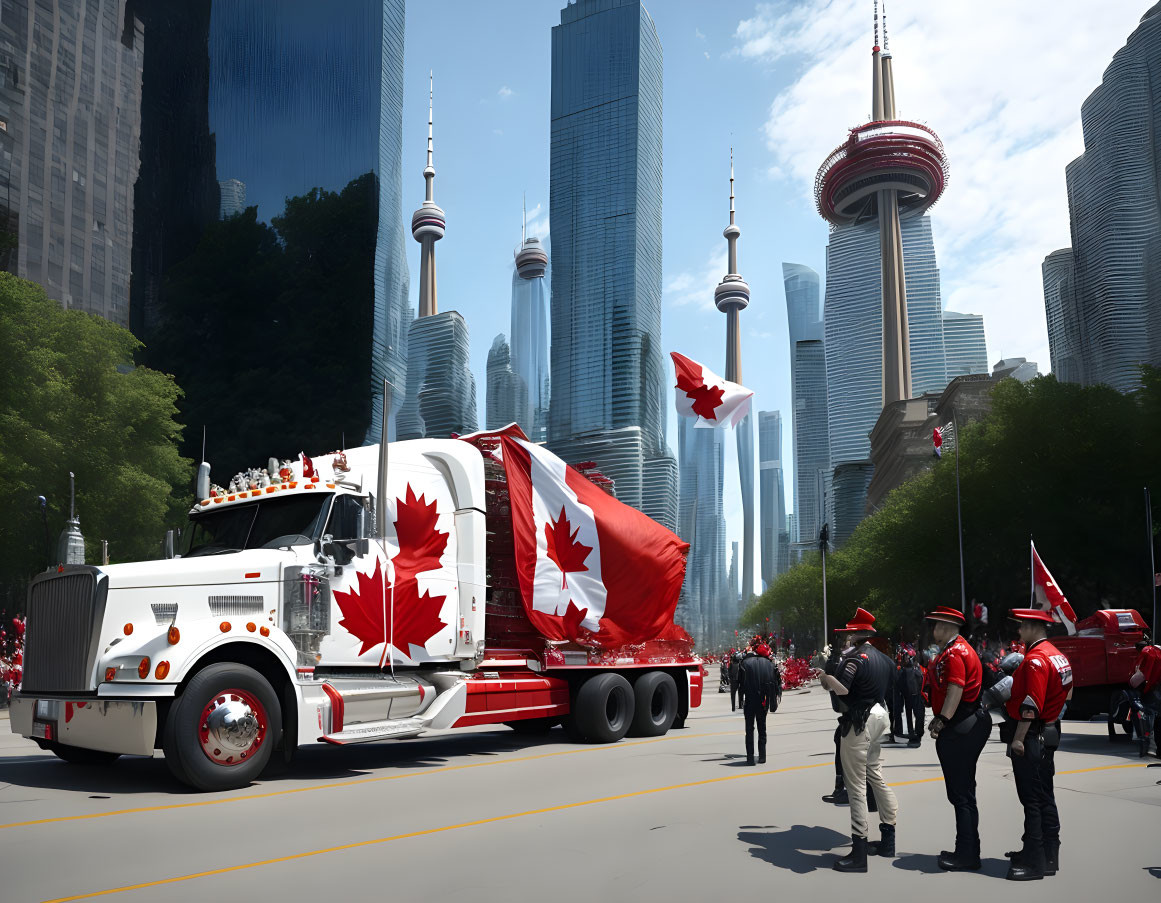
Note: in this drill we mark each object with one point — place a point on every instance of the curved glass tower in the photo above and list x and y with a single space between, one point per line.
529 345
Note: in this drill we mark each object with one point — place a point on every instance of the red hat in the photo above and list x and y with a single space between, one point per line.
1030 614
862 622
950 615
763 649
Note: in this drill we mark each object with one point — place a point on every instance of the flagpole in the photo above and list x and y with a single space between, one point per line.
959 518
1031 571
1152 559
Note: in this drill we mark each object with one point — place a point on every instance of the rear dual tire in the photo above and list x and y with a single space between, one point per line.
606 707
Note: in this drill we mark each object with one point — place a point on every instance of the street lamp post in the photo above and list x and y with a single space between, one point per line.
823 542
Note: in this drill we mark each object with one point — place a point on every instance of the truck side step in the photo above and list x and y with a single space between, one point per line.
376 730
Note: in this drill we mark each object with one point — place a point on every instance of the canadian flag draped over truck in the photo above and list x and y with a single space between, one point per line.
587 562
1048 595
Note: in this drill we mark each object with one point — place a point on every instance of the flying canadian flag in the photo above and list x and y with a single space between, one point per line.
1049 596
588 565
703 394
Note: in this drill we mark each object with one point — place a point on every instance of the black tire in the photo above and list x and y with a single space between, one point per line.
192 764
655 704
532 726
78 755
604 708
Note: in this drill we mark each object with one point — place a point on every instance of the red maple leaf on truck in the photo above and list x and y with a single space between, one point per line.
416 618
563 549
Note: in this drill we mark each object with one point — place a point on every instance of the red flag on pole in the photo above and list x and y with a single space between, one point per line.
937 441
587 564
1049 596
703 394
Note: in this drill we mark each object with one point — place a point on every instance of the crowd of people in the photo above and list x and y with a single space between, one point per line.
946 688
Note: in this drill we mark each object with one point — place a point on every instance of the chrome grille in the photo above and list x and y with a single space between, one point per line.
164 612
64 611
236 605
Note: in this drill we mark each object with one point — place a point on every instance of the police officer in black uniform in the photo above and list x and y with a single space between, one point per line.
860 684
760 687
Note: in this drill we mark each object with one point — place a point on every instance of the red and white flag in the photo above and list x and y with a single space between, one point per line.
589 566
937 441
703 394
1049 596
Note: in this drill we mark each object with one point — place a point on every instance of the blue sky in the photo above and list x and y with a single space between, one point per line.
1001 82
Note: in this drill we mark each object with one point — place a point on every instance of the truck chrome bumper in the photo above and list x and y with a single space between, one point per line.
126 726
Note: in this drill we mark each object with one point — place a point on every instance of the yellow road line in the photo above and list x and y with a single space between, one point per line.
468 824
339 785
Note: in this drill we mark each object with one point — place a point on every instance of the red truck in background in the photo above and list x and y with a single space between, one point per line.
1102 653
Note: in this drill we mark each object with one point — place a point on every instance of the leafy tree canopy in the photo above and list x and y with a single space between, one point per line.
71 399
1063 464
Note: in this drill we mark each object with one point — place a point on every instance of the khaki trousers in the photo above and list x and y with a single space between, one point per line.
859 754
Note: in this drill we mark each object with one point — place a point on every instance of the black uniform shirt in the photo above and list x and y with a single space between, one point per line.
866 673
756 677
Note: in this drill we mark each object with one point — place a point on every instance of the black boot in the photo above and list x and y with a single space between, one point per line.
857 860
839 796
959 862
1051 857
1027 866
761 758
885 846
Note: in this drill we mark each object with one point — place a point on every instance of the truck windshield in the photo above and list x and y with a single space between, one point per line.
267 524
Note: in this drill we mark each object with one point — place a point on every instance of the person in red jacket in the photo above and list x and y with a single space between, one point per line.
960 728
1146 680
1040 688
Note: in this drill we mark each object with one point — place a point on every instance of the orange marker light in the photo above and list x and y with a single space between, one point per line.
173 636
224 627
253 574
265 631
143 668
251 627
162 671
110 675
128 630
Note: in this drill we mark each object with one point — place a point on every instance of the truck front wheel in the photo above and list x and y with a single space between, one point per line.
656 704
221 731
604 708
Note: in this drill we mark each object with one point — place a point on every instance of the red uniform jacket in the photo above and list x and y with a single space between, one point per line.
1042 682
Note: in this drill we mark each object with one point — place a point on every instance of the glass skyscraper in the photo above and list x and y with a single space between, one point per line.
70 104
853 314
1114 202
1063 316
809 393
701 523
775 542
529 331
965 345
507 397
608 378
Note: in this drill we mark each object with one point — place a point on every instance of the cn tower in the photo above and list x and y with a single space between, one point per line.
732 296
427 227
886 169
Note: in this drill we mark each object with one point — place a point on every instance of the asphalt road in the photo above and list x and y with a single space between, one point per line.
485 815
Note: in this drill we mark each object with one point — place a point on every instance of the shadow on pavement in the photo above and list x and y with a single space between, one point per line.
795 848
1121 748
137 775
929 865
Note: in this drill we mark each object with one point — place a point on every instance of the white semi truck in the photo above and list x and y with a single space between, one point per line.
288 619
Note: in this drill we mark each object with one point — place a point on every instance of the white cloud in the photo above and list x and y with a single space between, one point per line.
697 34
505 92
696 287
538 226
705 53
1006 106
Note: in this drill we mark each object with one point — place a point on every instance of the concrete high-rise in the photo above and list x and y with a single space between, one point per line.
69 148
233 197
775 541
608 379
811 439
1114 202
964 344
529 332
702 523
441 390
885 172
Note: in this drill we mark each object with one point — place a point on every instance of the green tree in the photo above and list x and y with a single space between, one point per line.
1057 462
71 399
